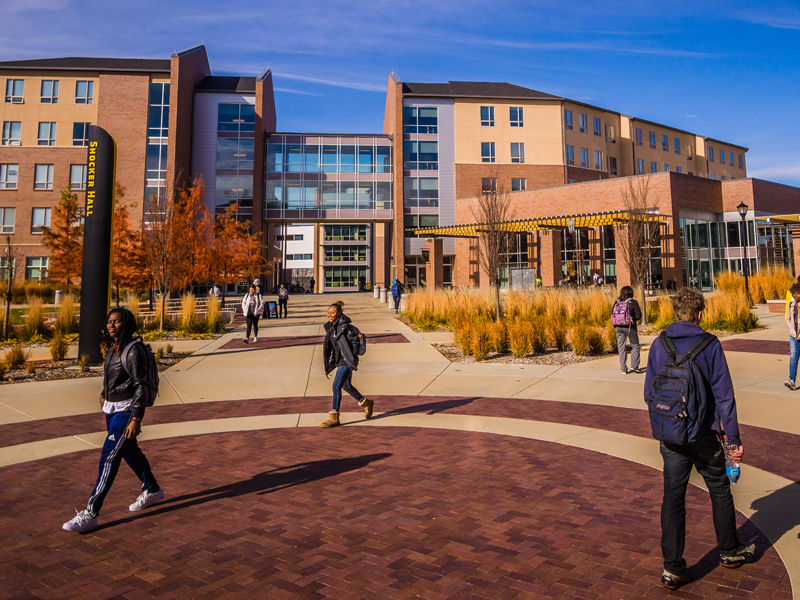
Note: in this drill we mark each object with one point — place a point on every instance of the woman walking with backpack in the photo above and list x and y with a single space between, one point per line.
123 400
340 352
624 315
252 305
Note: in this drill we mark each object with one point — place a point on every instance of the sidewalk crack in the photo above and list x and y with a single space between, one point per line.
537 382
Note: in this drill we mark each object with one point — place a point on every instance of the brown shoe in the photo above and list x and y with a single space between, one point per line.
367 404
333 421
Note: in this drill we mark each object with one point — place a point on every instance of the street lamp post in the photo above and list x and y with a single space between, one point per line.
742 208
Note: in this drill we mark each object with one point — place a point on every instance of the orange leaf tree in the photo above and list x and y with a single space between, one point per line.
64 240
129 267
196 233
236 253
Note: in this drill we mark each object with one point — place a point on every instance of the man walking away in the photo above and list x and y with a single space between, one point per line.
702 448
283 301
397 291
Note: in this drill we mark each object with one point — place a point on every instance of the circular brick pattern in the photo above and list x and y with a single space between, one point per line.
361 513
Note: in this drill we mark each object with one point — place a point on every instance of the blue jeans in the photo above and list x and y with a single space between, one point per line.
794 355
342 381
116 448
707 457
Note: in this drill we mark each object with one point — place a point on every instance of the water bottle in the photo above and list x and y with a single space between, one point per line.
731 467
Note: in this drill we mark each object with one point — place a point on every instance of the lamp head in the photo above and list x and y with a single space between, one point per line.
742 208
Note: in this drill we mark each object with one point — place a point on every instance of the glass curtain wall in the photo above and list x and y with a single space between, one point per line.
421 166
157 135
234 158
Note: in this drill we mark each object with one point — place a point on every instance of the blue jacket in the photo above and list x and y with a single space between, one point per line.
714 367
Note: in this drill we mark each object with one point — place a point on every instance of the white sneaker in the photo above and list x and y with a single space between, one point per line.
145 499
82 521
255 340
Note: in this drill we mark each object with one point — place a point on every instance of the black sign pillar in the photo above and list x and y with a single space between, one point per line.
97 229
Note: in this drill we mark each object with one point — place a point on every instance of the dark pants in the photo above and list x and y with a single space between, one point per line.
252 322
707 457
342 381
116 448
282 304
396 298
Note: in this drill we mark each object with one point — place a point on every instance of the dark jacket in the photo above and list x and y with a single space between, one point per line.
337 347
714 367
118 386
636 313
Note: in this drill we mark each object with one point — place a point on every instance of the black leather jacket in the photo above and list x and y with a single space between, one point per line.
118 386
337 348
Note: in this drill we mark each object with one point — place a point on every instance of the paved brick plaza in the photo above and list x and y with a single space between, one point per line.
379 512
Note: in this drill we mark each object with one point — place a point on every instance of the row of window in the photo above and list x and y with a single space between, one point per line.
40 217
298 257
35 267
332 158
345 253
15 91
488 154
585 159
489 184
722 157
664 142
515 116
42 178
345 233
597 126
654 167
12 133
292 237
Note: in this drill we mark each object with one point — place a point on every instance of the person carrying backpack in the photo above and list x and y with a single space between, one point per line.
689 394
397 291
252 305
283 301
793 322
624 315
341 348
126 393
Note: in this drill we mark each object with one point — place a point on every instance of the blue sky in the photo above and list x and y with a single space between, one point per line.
726 69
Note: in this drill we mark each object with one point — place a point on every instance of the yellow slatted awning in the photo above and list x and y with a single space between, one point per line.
541 223
790 219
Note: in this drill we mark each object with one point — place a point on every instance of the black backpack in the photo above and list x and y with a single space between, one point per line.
358 341
679 399
152 369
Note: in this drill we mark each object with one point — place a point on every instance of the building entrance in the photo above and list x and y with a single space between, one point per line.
415 274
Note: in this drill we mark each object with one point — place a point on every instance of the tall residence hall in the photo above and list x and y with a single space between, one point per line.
331 205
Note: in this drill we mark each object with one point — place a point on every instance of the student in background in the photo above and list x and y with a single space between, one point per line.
252 305
283 301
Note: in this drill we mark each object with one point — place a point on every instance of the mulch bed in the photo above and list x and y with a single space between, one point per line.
551 357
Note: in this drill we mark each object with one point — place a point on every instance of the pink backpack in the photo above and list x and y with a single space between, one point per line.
621 313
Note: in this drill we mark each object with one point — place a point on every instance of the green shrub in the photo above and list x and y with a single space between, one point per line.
16 357
159 354
168 349
83 363
58 347
30 368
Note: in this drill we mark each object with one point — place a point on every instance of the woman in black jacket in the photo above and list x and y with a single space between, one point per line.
627 331
123 401
340 352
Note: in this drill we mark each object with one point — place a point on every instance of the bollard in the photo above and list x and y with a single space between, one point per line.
59 295
384 293
403 302
376 292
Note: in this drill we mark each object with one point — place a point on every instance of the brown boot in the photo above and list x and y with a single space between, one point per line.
367 404
333 421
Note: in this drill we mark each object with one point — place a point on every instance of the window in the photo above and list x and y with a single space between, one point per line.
598 160
722 157
77 177
7 219
15 89
84 92
12 133
584 157
567 119
570 155
711 153
487 116
43 179
343 277
488 184
515 116
640 166
677 145
730 158
49 91
723 178
688 151
638 137
713 176
342 253
228 117
666 168
518 184
652 139
612 165
47 134
584 122
665 143
346 233
8 176
80 134
40 218
36 267
611 134
741 161
421 191
422 119
417 156
410 221
678 170
517 153
487 152
570 181
654 167
598 129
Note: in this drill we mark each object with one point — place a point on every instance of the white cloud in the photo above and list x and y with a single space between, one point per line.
301 92
351 85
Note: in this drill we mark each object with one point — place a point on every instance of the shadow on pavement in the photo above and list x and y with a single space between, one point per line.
431 408
264 483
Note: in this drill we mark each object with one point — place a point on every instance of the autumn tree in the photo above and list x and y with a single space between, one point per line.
235 252
64 240
9 272
491 210
638 238
129 267
198 229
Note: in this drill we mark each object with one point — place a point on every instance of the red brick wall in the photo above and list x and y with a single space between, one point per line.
434 268
469 177
393 125
465 267
761 195
550 257
122 111
581 174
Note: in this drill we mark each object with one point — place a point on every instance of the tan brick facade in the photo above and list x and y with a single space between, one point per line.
469 178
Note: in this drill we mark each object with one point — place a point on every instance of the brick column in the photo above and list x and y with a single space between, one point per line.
595 254
671 253
550 257
434 268
623 273
795 235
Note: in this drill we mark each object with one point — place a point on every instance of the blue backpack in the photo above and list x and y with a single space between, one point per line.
679 400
